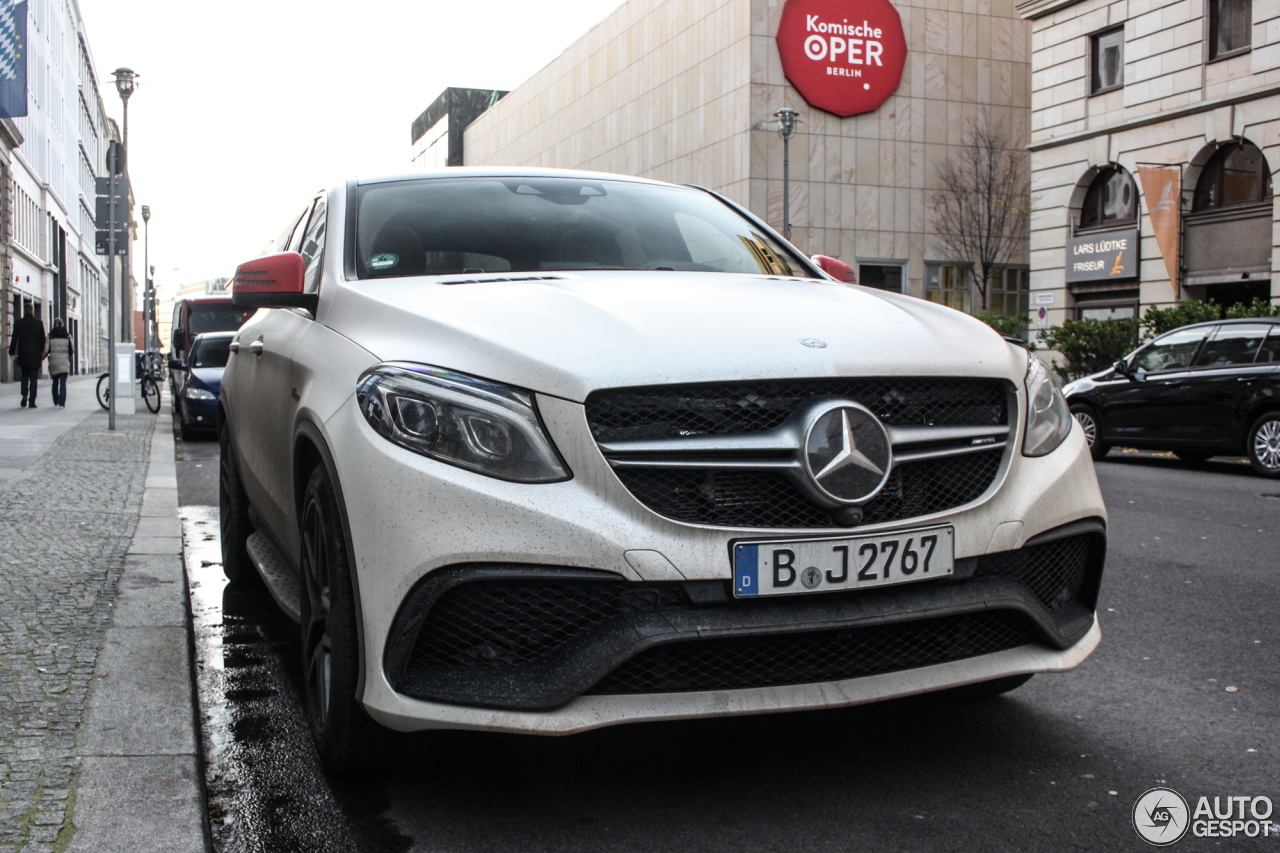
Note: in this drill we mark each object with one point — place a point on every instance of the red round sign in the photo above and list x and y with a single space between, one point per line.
844 57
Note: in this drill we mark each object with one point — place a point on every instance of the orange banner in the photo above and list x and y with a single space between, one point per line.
1162 186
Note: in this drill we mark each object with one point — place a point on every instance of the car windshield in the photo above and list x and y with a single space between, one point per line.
218 317
499 225
211 352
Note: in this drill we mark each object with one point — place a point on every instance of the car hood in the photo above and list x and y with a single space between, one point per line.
570 334
210 377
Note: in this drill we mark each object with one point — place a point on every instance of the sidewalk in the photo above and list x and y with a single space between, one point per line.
98 750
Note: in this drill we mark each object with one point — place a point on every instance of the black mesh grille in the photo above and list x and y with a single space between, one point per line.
1053 571
765 499
511 623
771 661
728 408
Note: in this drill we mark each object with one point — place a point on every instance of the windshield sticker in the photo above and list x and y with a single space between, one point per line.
384 262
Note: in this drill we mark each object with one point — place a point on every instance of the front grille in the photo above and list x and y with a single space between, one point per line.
738 408
1053 571
513 623
772 661
765 499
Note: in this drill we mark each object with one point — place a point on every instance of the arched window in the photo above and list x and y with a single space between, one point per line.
1236 174
1112 199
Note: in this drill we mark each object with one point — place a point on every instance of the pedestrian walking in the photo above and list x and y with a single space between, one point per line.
26 346
61 353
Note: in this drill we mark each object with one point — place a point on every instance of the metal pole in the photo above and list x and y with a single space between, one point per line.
126 298
111 290
786 187
147 299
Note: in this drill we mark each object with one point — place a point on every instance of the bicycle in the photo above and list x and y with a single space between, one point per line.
144 374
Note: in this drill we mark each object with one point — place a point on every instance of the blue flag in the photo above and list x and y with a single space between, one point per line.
13 59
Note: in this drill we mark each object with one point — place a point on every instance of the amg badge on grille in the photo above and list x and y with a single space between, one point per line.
847 452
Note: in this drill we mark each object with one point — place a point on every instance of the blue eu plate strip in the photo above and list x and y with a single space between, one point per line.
746 563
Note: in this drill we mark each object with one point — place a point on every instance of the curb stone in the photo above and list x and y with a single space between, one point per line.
140 785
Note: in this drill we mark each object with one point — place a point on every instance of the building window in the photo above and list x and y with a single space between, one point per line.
1108 60
1230 25
1112 199
949 285
1008 293
1236 174
881 276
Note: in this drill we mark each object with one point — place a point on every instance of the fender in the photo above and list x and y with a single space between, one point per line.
312 433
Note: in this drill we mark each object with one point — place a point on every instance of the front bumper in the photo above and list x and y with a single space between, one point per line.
411 517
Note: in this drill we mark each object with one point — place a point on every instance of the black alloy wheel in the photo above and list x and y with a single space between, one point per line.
233 512
1263 445
1088 421
346 738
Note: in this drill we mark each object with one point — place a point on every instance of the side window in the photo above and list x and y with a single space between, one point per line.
1270 351
295 236
1172 352
312 248
286 237
1234 344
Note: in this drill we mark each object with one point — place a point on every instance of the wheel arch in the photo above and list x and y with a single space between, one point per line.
310 450
1260 407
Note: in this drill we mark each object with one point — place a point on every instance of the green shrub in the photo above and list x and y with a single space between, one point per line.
1157 321
1015 327
1256 308
1088 346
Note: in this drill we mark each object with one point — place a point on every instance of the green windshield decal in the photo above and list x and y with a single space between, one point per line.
384 261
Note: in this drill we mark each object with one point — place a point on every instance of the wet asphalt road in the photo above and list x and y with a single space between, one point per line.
1189 609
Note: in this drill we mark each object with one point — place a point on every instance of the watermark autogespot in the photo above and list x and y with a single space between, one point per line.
1162 816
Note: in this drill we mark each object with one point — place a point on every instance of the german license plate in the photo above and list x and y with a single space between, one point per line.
795 566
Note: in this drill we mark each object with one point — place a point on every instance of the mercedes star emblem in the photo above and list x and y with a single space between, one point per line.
847 453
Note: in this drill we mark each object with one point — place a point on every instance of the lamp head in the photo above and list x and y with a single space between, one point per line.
146 213
788 121
125 82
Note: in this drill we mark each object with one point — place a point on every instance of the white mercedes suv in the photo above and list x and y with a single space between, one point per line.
541 451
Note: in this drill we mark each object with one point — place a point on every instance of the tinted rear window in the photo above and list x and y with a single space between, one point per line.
218 317
500 225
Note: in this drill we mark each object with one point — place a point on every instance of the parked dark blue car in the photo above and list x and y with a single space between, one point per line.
198 380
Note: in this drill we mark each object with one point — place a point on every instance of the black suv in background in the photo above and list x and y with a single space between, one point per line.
1204 390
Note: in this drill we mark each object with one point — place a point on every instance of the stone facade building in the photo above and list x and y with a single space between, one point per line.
53 267
1155 129
684 90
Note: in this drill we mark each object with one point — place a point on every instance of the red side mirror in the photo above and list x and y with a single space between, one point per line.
836 268
272 281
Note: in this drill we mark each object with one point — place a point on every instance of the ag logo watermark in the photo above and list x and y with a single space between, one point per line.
1162 816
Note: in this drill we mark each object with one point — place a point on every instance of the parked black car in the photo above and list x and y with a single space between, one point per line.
198 380
1204 390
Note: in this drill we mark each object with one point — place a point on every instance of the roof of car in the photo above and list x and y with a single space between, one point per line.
506 172
199 299
203 335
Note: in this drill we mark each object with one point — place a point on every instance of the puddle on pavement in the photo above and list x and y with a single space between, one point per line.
266 789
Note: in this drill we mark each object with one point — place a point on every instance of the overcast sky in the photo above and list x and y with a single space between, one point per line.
246 107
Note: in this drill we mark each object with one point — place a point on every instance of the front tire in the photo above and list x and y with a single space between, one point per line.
104 390
233 511
1088 420
346 738
151 394
1263 445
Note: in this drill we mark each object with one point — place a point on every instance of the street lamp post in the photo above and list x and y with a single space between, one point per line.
125 83
148 293
788 122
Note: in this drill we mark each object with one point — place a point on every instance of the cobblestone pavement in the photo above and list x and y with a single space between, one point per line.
65 523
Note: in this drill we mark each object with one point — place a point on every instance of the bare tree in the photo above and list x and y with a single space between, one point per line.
980 209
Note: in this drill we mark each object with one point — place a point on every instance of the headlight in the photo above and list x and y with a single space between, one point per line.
199 394
472 423
1048 416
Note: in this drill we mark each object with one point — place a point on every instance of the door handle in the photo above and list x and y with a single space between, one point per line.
256 347
234 346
